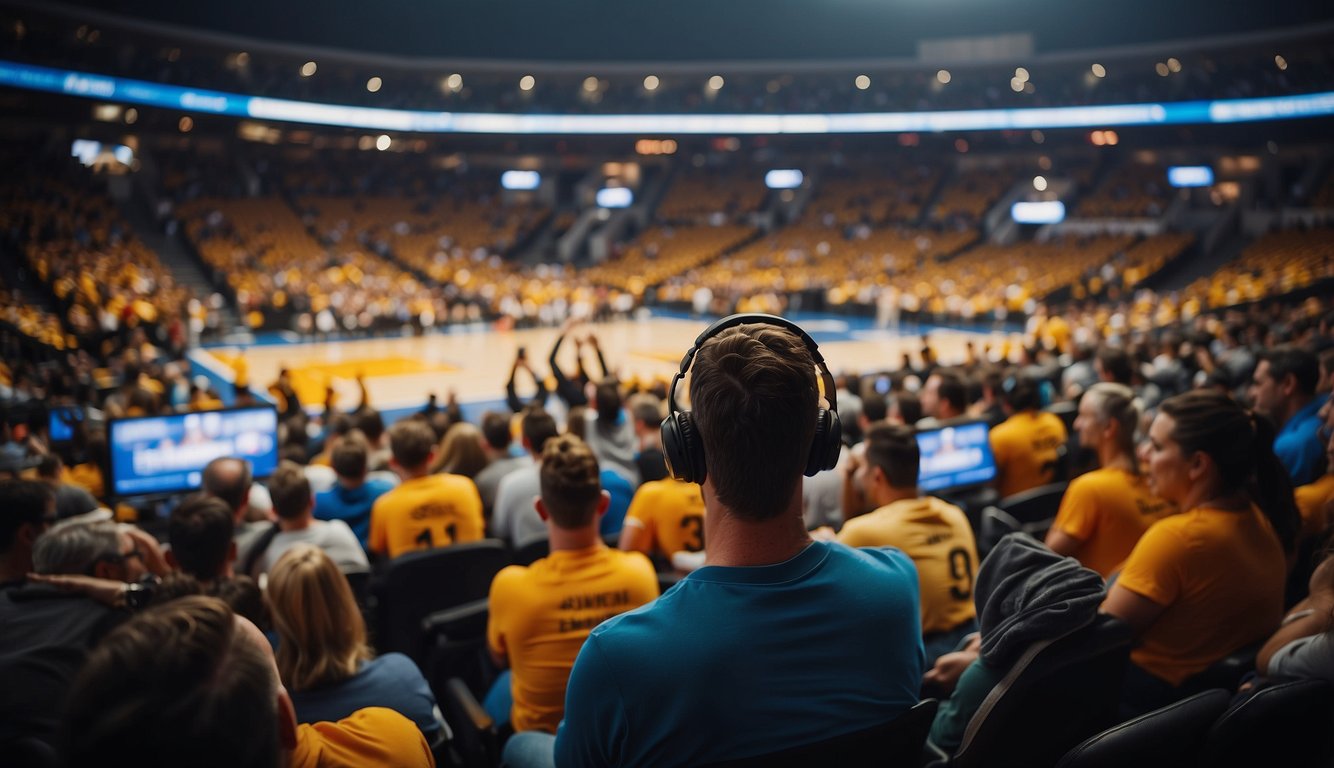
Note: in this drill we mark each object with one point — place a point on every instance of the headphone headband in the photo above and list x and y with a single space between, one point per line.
756 318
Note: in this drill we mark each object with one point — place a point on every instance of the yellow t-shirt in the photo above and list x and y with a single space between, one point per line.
1109 510
372 736
541 614
1027 447
1220 577
672 514
938 538
1313 502
425 512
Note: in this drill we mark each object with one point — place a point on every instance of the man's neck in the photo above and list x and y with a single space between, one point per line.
299 523
563 539
733 541
1290 409
887 494
416 474
351 483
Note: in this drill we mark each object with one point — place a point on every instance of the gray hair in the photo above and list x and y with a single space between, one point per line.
74 548
1115 402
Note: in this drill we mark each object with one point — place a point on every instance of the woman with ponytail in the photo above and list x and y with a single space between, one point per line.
1206 582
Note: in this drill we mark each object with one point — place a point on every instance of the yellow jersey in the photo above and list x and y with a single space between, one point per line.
426 512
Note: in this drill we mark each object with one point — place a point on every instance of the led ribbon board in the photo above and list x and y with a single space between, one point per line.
126 91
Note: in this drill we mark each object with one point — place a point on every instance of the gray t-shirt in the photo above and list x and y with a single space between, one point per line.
1306 657
333 536
514 518
488 480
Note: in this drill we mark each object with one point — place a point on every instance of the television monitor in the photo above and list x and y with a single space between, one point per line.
1190 176
1044 212
785 178
154 455
615 197
955 456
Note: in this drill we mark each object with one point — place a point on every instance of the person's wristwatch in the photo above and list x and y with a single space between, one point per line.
135 597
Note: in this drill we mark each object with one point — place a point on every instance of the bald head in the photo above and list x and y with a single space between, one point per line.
229 479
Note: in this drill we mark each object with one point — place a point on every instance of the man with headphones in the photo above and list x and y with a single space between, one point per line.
778 641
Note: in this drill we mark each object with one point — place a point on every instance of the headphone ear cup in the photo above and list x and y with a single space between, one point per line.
826 444
682 448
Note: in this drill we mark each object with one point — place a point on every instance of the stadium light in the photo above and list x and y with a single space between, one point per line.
373 85
862 82
1045 212
943 77
716 83
651 83
615 197
786 178
527 82
520 180
1190 176
309 68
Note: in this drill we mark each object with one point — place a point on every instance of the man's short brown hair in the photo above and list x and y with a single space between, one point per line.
179 684
350 456
893 448
290 490
569 481
754 394
411 442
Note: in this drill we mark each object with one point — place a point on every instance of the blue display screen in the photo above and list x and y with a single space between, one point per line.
955 456
167 454
126 91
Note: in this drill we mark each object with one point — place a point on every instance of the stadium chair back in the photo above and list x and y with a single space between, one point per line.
1031 512
1164 738
417 584
1058 694
1226 673
897 742
532 552
1288 724
455 642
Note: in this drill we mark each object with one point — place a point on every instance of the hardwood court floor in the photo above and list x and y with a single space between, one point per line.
401 371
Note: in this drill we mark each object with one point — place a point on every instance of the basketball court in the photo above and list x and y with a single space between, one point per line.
474 361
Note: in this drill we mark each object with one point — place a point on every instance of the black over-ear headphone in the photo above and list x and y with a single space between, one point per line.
681 444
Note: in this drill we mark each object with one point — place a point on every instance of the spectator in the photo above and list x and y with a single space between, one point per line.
1284 390
609 432
425 510
1028 444
229 479
71 500
496 444
1314 500
772 601
935 534
140 696
1103 513
944 397
200 531
1205 582
351 499
646 416
27 510
541 614
1303 646
514 518
665 517
323 657
461 452
294 504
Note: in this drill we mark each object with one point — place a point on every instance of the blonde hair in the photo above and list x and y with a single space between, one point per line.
322 632
461 451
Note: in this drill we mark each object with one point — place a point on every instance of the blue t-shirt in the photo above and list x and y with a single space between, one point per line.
621 492
735 662
391 681
1298 444
352 506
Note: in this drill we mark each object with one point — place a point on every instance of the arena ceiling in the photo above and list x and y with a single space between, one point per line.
684 30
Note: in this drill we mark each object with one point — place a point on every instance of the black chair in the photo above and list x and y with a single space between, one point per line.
455 643
1226 673
1289 724
1165 738
897 742
1031 512
476 740
532 552
1058 694
419 583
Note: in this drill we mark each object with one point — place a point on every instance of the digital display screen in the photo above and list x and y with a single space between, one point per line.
955 456
783 179
1045 212
521 180
1190 176
615 197
167 454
